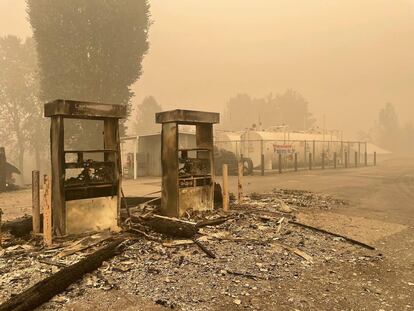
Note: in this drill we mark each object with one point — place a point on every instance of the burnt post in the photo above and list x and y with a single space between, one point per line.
375 158
280 163
240 183
2 169
296 161
335 160
187 173
47 213
36 201
98 199
310 161
225 188
356 158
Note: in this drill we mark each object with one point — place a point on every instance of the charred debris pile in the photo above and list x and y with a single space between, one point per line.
212 257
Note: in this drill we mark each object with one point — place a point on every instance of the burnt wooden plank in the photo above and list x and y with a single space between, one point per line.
44 290
84 110
112 142
89 192
169 160
92 151
187 116
58 175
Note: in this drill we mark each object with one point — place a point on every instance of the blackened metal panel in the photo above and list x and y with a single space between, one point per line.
195 198
84 110
187 116
169 159
204 139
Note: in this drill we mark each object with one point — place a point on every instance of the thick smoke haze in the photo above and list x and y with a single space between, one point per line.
347 58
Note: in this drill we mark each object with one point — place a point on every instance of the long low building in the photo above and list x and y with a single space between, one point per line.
144 152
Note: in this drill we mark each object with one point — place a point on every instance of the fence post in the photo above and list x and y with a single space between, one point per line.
313 147
375 158
310 160
47 212
296 161
334 159
135 158
262 158
346 159
280 163
356 158
262 164
240 183
323 160
225 188
304 155
35 202
366 158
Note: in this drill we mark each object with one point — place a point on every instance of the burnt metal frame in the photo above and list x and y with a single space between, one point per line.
171 204
59 110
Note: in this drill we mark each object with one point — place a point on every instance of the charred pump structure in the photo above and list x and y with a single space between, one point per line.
91 199
187 173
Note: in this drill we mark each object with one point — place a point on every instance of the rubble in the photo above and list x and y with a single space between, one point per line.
246 252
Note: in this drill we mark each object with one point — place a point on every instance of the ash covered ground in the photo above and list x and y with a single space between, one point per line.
257 251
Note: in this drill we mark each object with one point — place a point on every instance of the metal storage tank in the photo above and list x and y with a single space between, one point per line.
230 141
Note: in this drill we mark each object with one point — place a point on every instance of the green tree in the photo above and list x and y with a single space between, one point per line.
145 116
89 50
19 112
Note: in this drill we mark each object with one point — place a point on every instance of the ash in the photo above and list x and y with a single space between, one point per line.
257 250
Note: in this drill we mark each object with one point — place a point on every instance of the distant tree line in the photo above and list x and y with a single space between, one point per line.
21 116
82 50
143 122
289 108
389 133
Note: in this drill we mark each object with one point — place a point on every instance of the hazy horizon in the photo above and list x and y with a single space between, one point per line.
347 58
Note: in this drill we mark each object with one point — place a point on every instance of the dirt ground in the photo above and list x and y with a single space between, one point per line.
380 212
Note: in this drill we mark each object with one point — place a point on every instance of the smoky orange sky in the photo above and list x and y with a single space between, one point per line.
346 57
